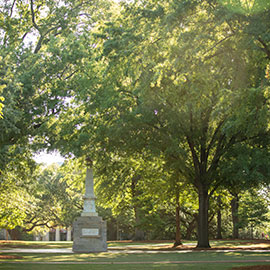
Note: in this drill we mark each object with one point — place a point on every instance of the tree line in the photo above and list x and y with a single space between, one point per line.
170 98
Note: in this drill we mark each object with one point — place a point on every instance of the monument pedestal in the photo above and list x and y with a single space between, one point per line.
89 235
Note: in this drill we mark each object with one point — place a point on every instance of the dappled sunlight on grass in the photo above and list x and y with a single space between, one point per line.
246 255
71 257
35 244
241 243
138 243
115 267
146 245
219 266
143 257
138 259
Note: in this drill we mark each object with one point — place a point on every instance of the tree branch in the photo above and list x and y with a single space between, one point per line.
33 17
265 47
214 137
219 42
194 156
11 10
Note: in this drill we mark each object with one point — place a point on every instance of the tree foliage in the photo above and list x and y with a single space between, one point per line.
180 79
173 90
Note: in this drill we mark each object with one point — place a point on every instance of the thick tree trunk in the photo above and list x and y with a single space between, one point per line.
203 235
219 228
235 217
177 219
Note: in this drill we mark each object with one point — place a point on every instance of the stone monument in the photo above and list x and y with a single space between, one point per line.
89 230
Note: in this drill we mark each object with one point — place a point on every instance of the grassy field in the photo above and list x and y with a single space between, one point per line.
140 257
219 266
210 260
251 244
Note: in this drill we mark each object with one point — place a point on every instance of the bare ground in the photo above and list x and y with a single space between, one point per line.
11 257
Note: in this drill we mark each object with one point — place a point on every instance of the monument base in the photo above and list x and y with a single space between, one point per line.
89 234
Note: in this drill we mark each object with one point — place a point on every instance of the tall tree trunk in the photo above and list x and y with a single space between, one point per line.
252 232
235 217
139 233
117 231
219 235
177 220
203 234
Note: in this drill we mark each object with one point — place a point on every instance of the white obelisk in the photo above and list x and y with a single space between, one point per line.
89 206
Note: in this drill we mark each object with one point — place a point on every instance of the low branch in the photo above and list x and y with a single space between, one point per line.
36 225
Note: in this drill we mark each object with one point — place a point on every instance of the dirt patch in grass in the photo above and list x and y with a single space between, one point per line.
254 267
12 257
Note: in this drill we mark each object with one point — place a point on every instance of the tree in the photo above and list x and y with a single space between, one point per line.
53 202
253 212
41 200
177 85
15 183
39 52
244 168
125 185
168 78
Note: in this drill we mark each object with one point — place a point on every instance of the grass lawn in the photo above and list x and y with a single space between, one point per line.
140 257
34 244
110 260
113 260
214 266
253 244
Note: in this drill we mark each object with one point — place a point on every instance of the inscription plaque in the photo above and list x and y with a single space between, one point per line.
90 232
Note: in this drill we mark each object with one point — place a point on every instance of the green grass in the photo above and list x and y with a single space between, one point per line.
35 244
68 244
140 257
240 243
138 243
208 257
219 266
